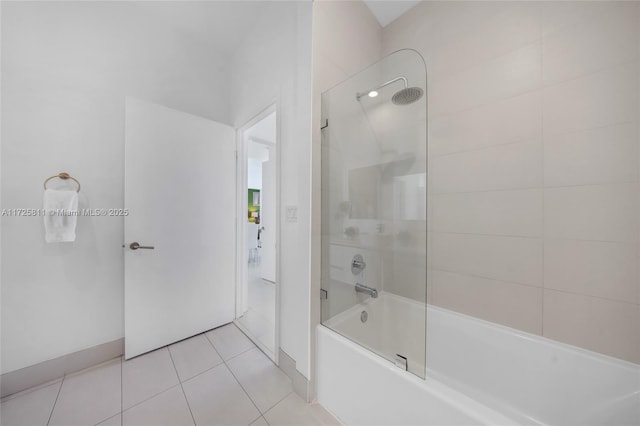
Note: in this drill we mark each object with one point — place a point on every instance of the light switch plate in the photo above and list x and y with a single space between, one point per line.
292 213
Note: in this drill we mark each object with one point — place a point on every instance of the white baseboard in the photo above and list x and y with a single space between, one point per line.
34 375
301 385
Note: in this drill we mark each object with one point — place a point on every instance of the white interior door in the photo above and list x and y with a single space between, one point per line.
268 217
180 193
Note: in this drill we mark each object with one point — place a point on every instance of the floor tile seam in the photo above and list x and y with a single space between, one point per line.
56 401
277 403
30 390
265 420
146 399
245 392
236 355
181 387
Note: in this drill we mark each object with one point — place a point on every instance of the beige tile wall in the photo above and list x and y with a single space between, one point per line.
534 164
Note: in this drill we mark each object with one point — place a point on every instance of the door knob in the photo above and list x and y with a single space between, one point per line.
135 246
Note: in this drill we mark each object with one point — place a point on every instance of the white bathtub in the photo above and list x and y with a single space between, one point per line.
477 373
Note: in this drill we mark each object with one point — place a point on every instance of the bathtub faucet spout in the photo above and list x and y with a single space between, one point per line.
360 288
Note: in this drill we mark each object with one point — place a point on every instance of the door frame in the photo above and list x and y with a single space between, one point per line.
242 257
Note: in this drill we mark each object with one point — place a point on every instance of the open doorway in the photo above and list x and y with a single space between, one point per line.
256 310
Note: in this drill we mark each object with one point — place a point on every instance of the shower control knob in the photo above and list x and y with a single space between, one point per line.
357 264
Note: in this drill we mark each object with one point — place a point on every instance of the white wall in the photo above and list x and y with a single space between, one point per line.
254 173
274 65
66 68
533 155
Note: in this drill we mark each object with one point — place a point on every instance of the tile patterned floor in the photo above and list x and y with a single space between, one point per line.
215 378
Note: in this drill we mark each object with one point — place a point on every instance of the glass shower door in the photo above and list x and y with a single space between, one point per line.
374 209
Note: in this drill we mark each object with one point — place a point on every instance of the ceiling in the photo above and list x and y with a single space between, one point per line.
225 24
387 11
221 24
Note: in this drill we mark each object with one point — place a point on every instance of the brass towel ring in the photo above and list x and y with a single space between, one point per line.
63 176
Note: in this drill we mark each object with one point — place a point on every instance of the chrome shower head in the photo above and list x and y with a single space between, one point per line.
407 96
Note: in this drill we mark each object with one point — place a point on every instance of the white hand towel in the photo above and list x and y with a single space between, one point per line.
61 215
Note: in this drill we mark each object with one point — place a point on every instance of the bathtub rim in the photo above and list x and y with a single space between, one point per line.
448 395
518 413
530 337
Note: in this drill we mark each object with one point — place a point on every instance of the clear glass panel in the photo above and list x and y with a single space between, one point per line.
374 209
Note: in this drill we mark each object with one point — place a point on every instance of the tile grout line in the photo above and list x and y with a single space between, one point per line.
235 356
234 376
27 391
529 188
621 302
541 136
620 63
223 362
147 399
200 373
121 411
485 277
541 86
150 397
541 286
56 401
181 387
256 347
482 234
245 391
188 379
282 399
519 141
541 38
449 74
528 237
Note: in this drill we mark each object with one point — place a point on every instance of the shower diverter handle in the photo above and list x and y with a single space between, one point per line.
357 264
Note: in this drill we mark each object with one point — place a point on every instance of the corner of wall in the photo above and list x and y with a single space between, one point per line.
346 38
